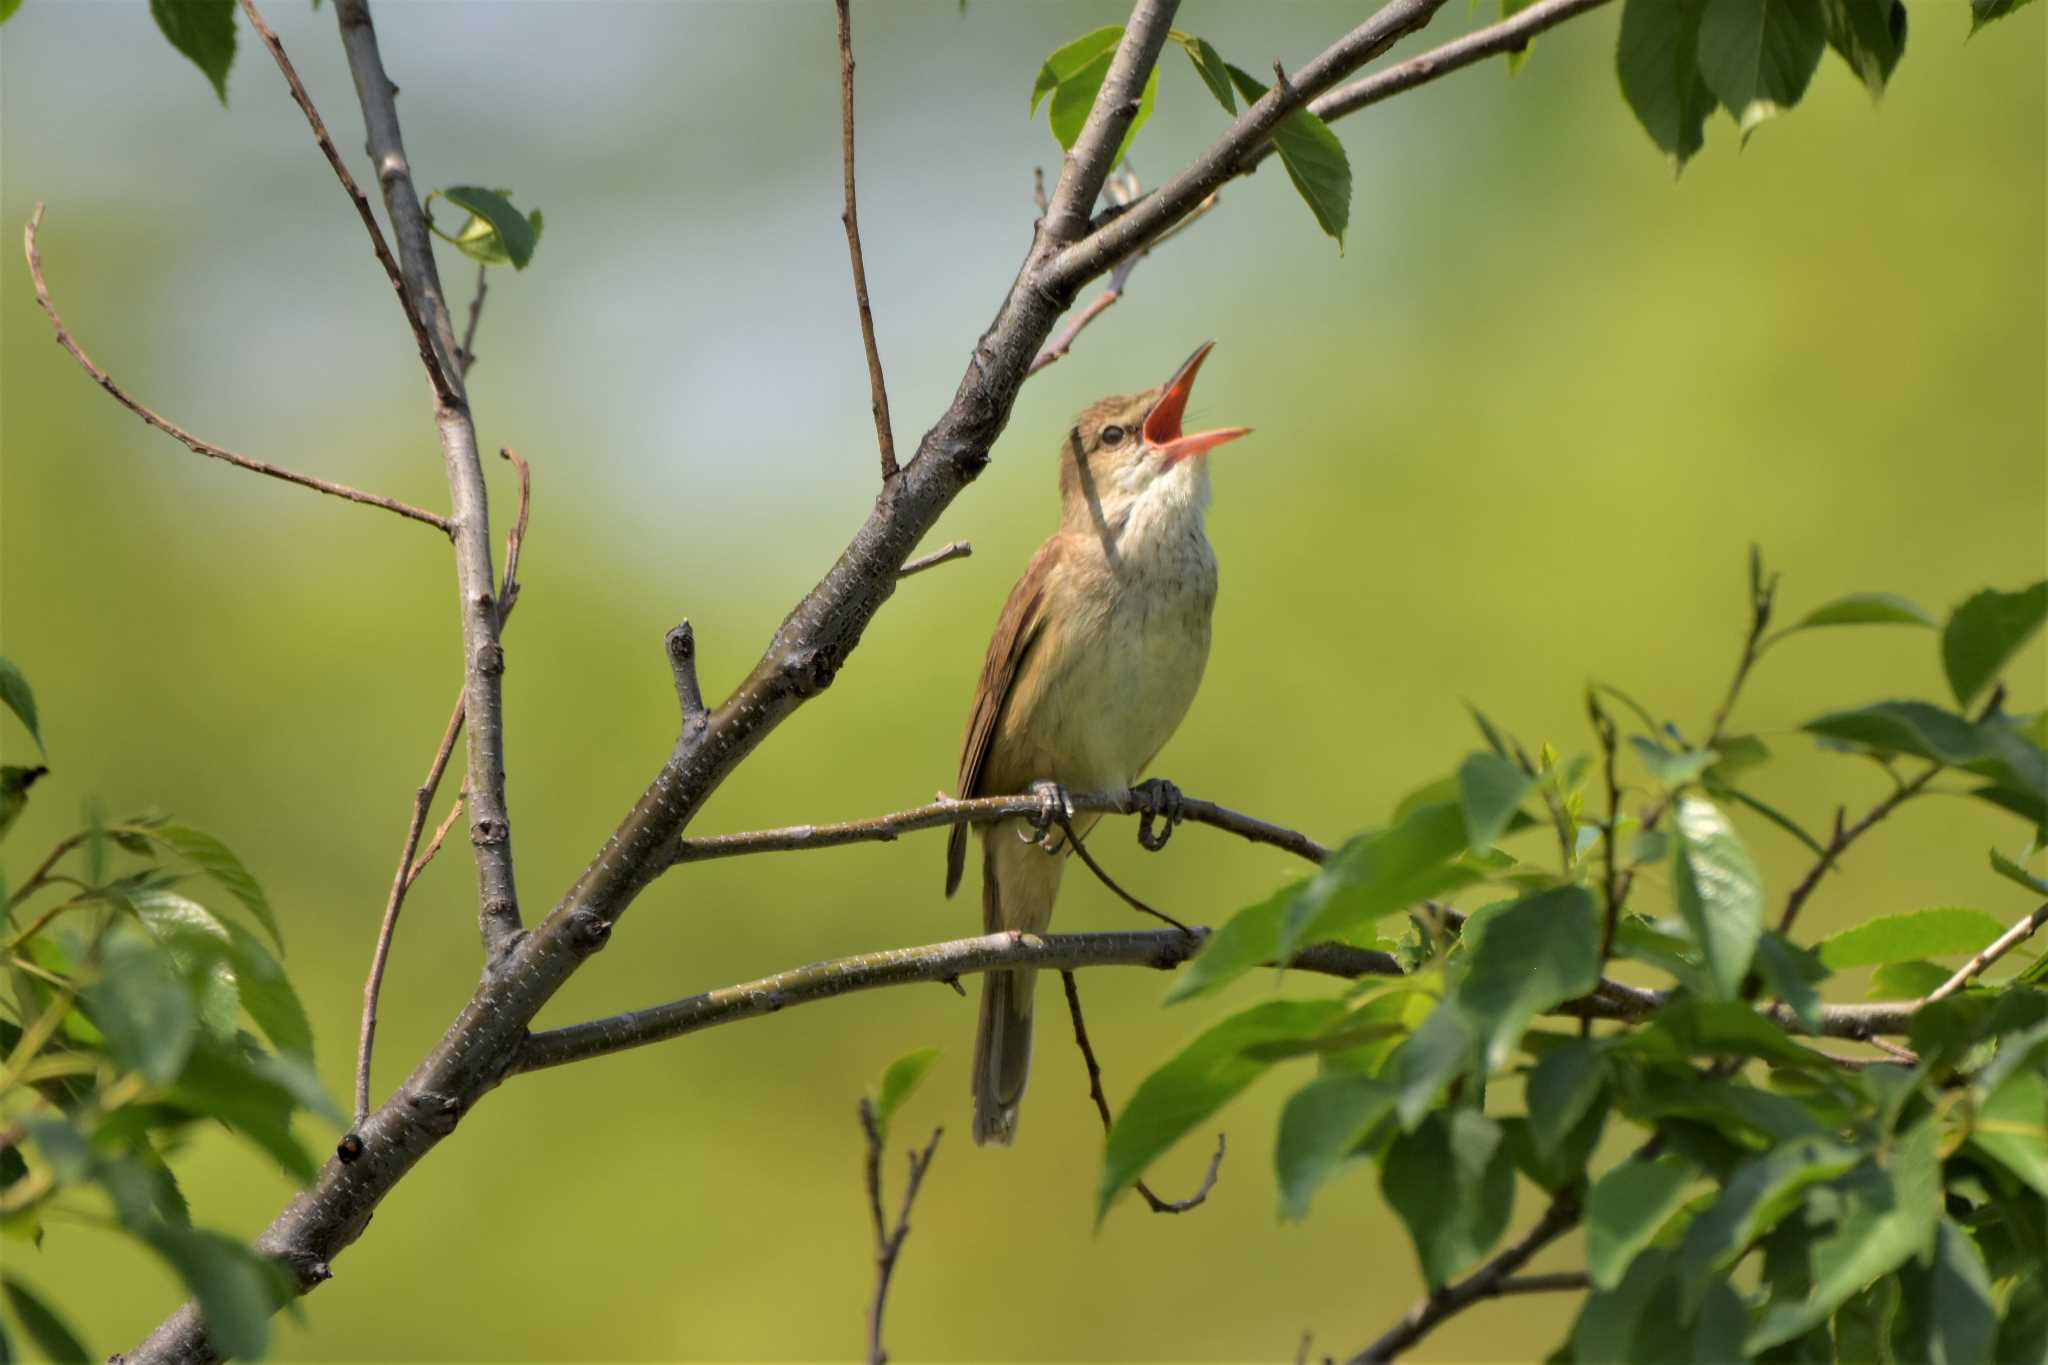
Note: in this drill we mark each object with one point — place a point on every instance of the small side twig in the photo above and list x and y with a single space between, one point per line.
1489 1281
888 1241
1102 875
1096 1094
850 218
1111 292
466 356
178 433
411 859
2005 943
682 662
959 549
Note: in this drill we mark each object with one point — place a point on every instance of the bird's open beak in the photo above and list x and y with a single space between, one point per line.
1162 425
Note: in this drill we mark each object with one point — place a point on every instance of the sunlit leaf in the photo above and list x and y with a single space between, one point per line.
212 857
1313 157
898 1084
1791 972
1940 932
1210 66
1718 889
1066 61
494 233
1864 608
141 1006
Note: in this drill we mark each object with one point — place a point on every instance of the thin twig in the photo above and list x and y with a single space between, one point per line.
850 219
445 390
1066 825
466 356
1563 1281
1119 278
1096 1094
681 643
1487 1282
958 549
888 1242
982 810
409 865
2005 943
178 433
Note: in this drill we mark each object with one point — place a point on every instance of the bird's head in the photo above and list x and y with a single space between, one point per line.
1124 448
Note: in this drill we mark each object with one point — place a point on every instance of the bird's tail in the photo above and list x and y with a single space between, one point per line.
1002 1053
1018 884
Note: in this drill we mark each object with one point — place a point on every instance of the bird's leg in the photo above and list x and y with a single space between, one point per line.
1055 812
1156 797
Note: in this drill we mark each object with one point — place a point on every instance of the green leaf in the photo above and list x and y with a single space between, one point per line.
253 1095
1439 1051
1719 891
1632 1320
1658 62
1791 971
1537 953
1941 932
1625 1208
1863 608
7 9
1246 939
1074 97
2011 1128
212 857
237 1292
1870 35
2023 1332
1983 12
16 693
1995 748
1672 768
1066 62
495 233
1376 874
1321 1125
1490 790
1906 980
1948 1315
1722 792
1757 55
268 996
1453 1183
2013 872
1738 754
53 1338
1887 1215
1561 1089
1205 1076
898 1083
1314 160
203 30
1761 1192
141 1006
1985 632
14 784
1209 65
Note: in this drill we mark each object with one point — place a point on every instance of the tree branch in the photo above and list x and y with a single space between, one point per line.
2005 943
178 433
1093 155
958 549
466 353
490 823
983 810
888 1242
1095 1093
850 219
1485 1283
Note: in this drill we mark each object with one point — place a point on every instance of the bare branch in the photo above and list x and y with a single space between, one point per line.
1485 1283
850 219
466 354
982 810
958 549
1509 35
2005 943
410 866
1230 155
888 1242
682 661
445 389
178 433
490 826
1096 1094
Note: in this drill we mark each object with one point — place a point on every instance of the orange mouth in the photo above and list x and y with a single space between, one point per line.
1162 425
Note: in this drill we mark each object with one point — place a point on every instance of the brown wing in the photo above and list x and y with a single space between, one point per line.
1016 632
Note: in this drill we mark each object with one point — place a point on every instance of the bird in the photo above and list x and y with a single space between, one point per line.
1094 662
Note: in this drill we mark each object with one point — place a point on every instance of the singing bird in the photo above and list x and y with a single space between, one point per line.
1095 660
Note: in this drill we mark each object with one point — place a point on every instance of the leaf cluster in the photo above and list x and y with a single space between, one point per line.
1891 1207
144 997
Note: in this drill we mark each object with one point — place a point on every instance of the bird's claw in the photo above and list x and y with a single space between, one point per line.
1159 798
1055 811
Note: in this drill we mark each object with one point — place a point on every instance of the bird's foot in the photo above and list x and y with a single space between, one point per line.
1156 797
1055 812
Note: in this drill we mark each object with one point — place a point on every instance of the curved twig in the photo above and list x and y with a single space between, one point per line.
850 218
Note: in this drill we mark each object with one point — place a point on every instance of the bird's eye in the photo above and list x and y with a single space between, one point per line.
1112 435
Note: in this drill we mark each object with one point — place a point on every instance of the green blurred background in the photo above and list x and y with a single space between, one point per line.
1518 434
